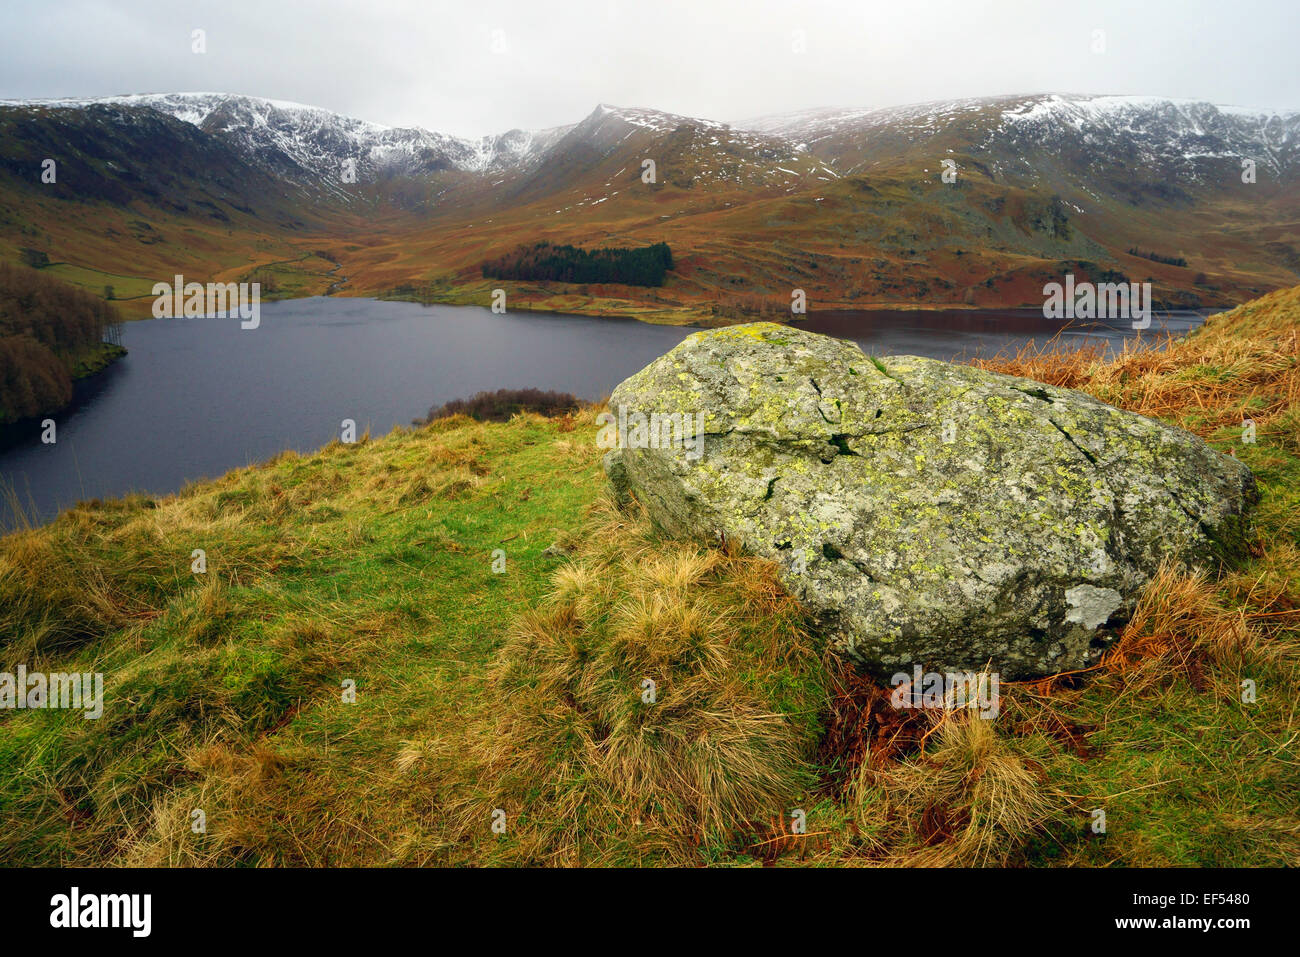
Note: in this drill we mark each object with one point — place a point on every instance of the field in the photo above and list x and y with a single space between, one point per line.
499 680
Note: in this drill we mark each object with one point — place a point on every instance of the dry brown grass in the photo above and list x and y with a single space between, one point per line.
971 798
1181 625
1240 364
737 697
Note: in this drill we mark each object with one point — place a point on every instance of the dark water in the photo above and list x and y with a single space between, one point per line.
198 397
968 334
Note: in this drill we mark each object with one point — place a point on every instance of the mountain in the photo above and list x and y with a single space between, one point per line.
848 204
107 152
1167 131
1098 174
308 141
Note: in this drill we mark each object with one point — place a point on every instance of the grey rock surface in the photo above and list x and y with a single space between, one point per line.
925 512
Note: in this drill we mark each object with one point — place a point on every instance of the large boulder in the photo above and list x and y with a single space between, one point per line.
926 513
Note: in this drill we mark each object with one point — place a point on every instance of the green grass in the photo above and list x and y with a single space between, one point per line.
308 275
316 573
94 280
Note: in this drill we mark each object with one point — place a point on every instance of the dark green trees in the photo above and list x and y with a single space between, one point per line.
642 266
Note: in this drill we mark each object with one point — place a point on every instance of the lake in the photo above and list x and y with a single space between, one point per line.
198 397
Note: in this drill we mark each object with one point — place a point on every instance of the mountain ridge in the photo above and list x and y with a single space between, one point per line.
848 204
484 153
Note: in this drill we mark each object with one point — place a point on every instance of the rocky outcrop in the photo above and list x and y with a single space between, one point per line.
926 513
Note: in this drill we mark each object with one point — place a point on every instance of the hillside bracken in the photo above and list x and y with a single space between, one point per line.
500 619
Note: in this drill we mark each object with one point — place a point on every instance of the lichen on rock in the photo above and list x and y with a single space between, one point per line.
925 512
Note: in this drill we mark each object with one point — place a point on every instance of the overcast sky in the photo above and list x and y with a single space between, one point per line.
432 64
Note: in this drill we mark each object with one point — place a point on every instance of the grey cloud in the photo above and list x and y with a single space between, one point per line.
431 64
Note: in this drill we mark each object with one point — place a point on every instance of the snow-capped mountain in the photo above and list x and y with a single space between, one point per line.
318 142
1012 134
607 149
1160 135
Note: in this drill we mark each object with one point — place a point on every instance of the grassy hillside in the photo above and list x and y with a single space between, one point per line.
892 235
521 687
96 246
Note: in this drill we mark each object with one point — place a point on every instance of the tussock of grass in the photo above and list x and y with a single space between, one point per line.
581 751
1182 626
972 798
